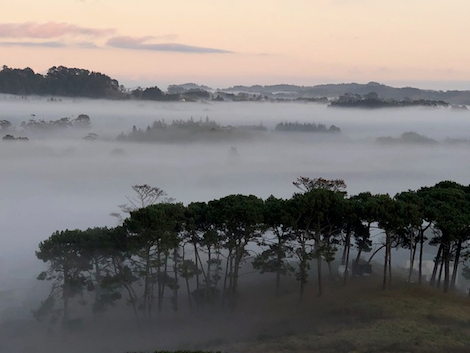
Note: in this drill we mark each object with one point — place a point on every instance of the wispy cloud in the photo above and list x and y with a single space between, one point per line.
141 43
61 34
50 30
33 44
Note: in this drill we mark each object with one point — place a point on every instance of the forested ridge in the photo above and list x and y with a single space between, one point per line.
77 82
165 255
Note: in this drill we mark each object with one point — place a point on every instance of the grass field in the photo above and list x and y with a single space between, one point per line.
358 317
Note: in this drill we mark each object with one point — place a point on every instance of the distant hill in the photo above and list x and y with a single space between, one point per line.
336 90
76 82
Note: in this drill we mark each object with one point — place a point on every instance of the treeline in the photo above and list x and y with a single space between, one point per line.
75 82
372 100
305 127
409 137
189 130
44 127
163 249
58 81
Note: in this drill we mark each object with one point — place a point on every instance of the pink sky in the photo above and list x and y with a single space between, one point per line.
223 43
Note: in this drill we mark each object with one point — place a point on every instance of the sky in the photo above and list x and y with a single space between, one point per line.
220 43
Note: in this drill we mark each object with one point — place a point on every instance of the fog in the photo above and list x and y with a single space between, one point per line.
61 181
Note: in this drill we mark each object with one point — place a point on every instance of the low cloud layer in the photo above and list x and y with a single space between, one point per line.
139 43
49 30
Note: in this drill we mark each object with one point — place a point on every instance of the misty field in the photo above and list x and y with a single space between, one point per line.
60 180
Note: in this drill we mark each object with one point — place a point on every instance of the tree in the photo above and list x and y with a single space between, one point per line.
146 195
323 213
152 93
414 230
390 218
279 248
82 121
155 232
5 125
68 263
448 204
239 219
203 237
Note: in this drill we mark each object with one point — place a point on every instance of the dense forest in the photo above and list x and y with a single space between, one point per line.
58 81
167 256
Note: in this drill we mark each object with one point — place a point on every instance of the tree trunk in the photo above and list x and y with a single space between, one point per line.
386 260
390 265
319 262
437 261
190 302
146 303
175 278
302 269
98 281
421 241
196 255
411 257
456 264
447 268
278 271
346 247
346 263
440 272
226 276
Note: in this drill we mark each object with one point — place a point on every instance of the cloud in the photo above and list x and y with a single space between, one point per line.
53 30
49 30
33 44
139 43
86 45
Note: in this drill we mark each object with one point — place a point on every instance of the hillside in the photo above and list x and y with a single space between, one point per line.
361 318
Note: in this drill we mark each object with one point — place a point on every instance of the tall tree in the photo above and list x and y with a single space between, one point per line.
240 220
68 263
278 246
